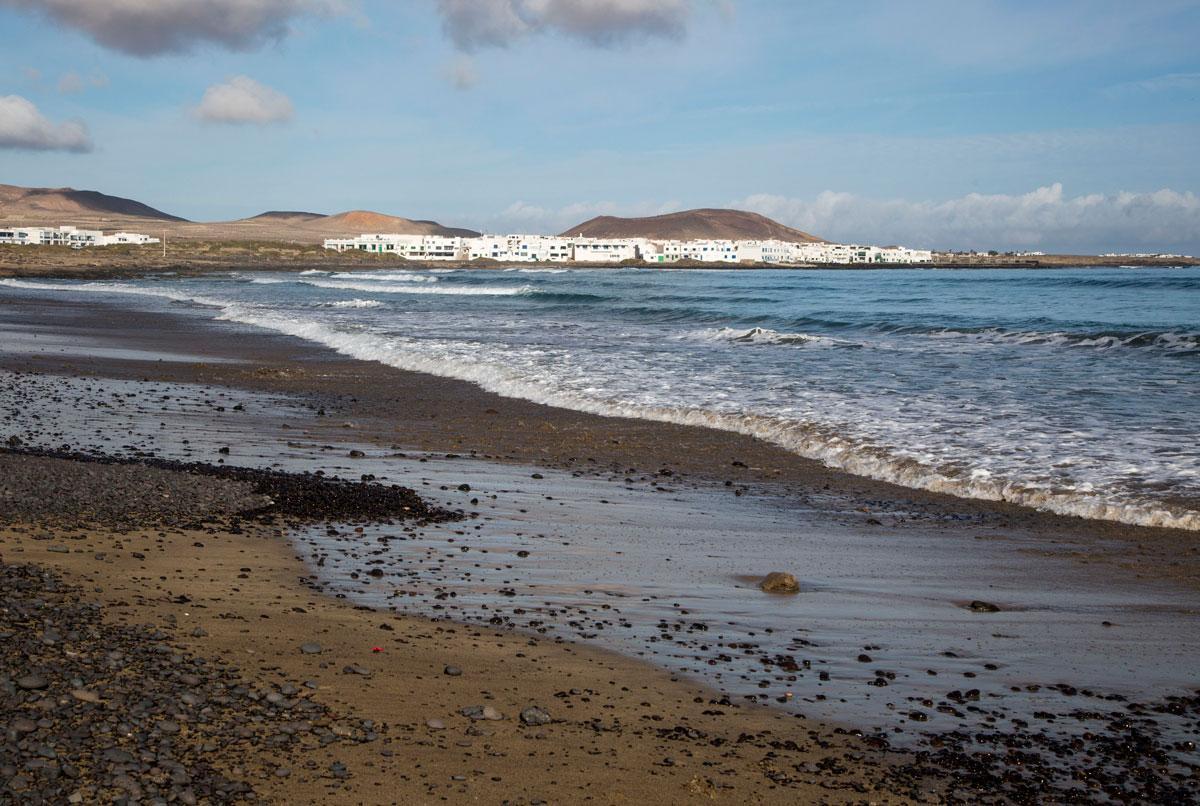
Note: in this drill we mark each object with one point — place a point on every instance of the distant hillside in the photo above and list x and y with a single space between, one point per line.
357 222
284 215
692 225
40 203
90 209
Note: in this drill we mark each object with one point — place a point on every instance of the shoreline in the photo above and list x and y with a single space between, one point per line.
431 407
194 258
373 404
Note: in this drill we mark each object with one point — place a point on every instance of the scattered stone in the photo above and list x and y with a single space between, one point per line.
980 606
32 682
481 712
779 582
534 715
452 671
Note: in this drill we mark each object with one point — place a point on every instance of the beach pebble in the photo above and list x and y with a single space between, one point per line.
32 682
477 712
779 582
452 671
311 649
980 606
534 715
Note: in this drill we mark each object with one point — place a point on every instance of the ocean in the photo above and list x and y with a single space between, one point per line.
1075 391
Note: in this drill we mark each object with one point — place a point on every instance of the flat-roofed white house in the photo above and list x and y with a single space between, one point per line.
413 247
711 251
135 238
661 251
606 250
69 236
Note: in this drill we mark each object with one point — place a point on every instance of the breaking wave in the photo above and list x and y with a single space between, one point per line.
353 303
762 335
397 276
1174 341
416 288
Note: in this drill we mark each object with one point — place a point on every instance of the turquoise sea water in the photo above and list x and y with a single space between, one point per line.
1074 390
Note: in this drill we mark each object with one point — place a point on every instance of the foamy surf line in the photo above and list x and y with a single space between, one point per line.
831 448
387 288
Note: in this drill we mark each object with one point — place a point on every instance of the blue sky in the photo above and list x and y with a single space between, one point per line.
1048 125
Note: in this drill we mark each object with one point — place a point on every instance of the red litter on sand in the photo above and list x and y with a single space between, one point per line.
376 649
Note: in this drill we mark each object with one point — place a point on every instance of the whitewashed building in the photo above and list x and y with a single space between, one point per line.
69 236
607 250
412 247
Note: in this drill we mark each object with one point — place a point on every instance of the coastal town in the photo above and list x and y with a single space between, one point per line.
531 248
567 249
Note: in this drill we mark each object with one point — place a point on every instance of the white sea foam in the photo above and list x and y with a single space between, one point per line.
353 303
1171 341
313 271
118 288
762 335
414 288
397 276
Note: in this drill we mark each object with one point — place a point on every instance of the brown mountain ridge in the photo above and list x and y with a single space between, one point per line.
91 209
53 202
706 223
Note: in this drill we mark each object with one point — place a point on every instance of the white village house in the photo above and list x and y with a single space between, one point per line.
69 236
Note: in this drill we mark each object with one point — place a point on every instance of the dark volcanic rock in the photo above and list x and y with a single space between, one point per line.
78 488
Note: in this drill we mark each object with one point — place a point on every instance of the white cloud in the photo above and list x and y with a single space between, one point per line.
153 27
23 127
243 100
72 83
474 24
1043 219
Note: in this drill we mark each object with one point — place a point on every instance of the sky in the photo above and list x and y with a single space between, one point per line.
1060 125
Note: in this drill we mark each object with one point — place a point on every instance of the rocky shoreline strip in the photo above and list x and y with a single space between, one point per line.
68 486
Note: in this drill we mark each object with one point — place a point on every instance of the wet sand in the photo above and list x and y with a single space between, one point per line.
731 480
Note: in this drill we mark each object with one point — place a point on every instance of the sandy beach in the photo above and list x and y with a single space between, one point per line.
497 610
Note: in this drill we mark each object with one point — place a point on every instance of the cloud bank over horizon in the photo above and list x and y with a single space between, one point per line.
1045 219
23 127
